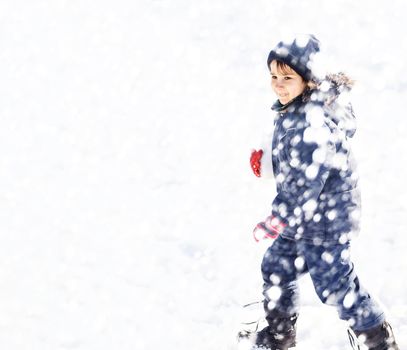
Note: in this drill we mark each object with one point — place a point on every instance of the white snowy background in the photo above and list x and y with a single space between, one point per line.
126 198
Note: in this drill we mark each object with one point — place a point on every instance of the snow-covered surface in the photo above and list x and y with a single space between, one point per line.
126 199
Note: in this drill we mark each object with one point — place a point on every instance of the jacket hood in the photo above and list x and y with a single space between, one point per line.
334 91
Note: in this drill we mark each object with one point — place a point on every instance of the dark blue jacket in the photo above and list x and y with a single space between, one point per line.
317 185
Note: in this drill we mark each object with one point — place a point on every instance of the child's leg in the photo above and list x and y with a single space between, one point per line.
337 284
281 268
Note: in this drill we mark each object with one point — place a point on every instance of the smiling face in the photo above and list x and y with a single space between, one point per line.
285 82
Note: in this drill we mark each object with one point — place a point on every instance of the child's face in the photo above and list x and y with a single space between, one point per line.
286 84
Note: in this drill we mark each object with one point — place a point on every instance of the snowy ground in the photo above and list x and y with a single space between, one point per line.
126 199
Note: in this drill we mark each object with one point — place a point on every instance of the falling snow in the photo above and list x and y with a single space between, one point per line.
127 201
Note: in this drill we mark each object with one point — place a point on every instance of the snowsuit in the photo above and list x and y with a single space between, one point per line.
318 200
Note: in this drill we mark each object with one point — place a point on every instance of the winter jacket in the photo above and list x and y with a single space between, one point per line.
318 198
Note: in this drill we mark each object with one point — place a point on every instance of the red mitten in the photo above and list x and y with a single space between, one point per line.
270 228
255 162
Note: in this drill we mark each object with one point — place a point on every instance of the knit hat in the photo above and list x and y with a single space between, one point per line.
297 53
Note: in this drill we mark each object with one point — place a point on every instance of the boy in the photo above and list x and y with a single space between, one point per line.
316 210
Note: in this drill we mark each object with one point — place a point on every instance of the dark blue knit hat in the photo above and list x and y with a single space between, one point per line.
297 54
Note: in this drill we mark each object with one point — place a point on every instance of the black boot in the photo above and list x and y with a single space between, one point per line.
280 334
378 338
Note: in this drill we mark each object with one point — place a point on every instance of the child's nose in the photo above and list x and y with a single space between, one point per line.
279 83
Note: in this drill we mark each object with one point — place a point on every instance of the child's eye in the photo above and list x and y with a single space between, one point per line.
287 78
273 77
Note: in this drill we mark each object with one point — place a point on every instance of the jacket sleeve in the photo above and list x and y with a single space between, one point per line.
304 157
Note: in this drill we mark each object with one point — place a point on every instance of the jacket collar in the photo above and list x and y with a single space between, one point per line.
278 106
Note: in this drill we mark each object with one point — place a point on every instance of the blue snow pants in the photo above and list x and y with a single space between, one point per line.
332 274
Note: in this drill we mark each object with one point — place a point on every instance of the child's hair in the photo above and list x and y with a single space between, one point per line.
338 80
284 68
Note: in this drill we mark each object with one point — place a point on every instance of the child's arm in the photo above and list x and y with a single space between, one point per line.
304 169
